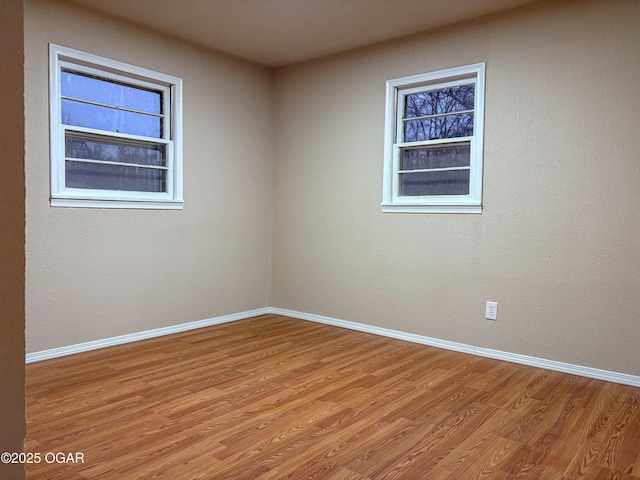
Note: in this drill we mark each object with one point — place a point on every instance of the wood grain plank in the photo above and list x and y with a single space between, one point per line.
278 398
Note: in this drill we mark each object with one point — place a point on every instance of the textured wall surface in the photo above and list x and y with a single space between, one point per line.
99 273
12 218
557 243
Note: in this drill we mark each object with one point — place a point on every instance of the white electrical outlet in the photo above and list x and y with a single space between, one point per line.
492 311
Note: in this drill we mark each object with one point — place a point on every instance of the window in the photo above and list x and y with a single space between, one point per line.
433 142
116 133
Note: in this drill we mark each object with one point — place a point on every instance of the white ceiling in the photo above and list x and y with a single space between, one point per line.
282 32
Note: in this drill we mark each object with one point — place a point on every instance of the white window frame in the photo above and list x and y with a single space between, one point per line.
63 196
397 90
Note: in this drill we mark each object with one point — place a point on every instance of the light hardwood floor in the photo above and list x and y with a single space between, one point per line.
274 397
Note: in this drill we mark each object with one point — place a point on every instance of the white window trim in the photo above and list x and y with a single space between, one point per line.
61 196
391 201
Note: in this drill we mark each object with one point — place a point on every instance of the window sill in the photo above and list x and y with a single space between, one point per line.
100 203
408 208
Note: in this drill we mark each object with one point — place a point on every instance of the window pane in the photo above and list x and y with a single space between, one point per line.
437 102
109 119
98 90
114 177
436 157
91 147
434 183
451 126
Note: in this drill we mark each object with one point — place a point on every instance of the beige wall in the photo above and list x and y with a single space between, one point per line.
98 273
557 244
12 427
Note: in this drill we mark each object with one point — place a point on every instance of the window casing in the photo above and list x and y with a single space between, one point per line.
115 133
434 142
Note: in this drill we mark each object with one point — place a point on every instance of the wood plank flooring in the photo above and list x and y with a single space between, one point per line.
279 398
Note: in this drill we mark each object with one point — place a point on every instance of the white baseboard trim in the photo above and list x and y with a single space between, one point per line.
134 337
569 368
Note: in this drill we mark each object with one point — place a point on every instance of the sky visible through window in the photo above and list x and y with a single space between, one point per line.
437 115
444 111
109 162
96 103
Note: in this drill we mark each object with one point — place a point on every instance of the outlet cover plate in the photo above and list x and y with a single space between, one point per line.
491 312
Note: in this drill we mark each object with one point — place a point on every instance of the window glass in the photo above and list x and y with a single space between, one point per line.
108 92
436 157
80 146
434 128
115 133
434 183
80 114
450 126
114 177
437 102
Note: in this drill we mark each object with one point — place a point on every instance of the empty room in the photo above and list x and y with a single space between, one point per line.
359 239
